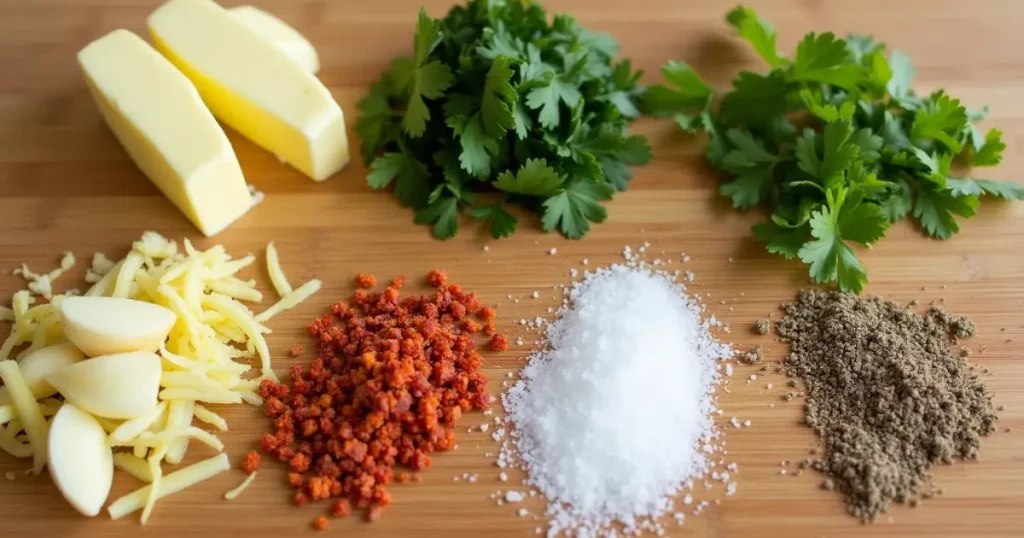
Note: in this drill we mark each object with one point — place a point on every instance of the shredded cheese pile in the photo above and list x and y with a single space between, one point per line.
205 358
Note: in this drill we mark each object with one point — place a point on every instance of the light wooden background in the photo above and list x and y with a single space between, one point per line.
65 184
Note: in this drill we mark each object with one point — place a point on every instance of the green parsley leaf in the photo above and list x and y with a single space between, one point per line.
374 121
780 240
935 209
413 180
499 99
576 207
1007 190
688 91
825 59
443 212
759 33
477 148
898 204
748 152
502 222
748 188
991 151
429 80
829 256
902 75
535 178
755 98
547 97
940 118
861 46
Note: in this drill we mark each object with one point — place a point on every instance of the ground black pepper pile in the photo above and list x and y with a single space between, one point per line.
885 393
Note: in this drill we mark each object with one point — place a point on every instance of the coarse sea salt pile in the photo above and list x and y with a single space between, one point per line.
612 416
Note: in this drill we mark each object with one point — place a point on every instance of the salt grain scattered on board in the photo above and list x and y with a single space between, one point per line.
612 415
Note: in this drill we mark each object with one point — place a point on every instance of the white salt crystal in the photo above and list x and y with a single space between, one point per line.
503 477
628 353
553 251
513 497
522 512
484 427
536 294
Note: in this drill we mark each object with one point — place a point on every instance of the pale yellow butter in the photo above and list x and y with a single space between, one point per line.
159 118
283 36
253 86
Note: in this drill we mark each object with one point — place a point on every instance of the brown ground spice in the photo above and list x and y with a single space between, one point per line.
886 394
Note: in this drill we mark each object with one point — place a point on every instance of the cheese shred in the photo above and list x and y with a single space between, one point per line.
277 278
207 357
169 485
234 493
28 412
135 466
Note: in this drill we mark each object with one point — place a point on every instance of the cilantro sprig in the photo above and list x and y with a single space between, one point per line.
498 99
835 143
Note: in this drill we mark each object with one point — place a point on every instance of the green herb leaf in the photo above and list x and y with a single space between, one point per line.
940 118
547 97
1007 190
444 214
755 98
689 91
535 178
759 33
825 59
935 209
576 207
785 242
499 99
502 222
902 75
829 256
477 148
748 188
991 151
413 181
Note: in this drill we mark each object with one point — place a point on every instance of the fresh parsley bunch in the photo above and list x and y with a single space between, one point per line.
836 144
496 98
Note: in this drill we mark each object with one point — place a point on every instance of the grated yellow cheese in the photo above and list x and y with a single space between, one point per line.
169 485
178 413
173 433
277 278
234 493
130 429
126 276
211 418
135 466
28 412
182 393
207 353
290 301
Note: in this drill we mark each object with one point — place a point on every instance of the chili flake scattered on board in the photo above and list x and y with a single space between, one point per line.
390 381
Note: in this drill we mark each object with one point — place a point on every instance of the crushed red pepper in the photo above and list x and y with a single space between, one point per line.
295 351
391 378
365 281
320 523
251 462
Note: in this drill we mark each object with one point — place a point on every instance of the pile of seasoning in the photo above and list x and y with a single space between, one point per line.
391 378
612 417
885 393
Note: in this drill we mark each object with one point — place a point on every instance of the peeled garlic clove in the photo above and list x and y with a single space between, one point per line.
81 463
122 386
108 325
39 364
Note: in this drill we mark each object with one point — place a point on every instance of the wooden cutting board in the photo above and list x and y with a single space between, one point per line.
66 185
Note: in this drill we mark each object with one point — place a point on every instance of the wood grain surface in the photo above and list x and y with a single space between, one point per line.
65 184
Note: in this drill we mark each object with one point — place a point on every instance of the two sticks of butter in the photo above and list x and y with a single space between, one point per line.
243 67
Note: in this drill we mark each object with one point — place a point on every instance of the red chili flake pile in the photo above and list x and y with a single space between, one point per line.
391 378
